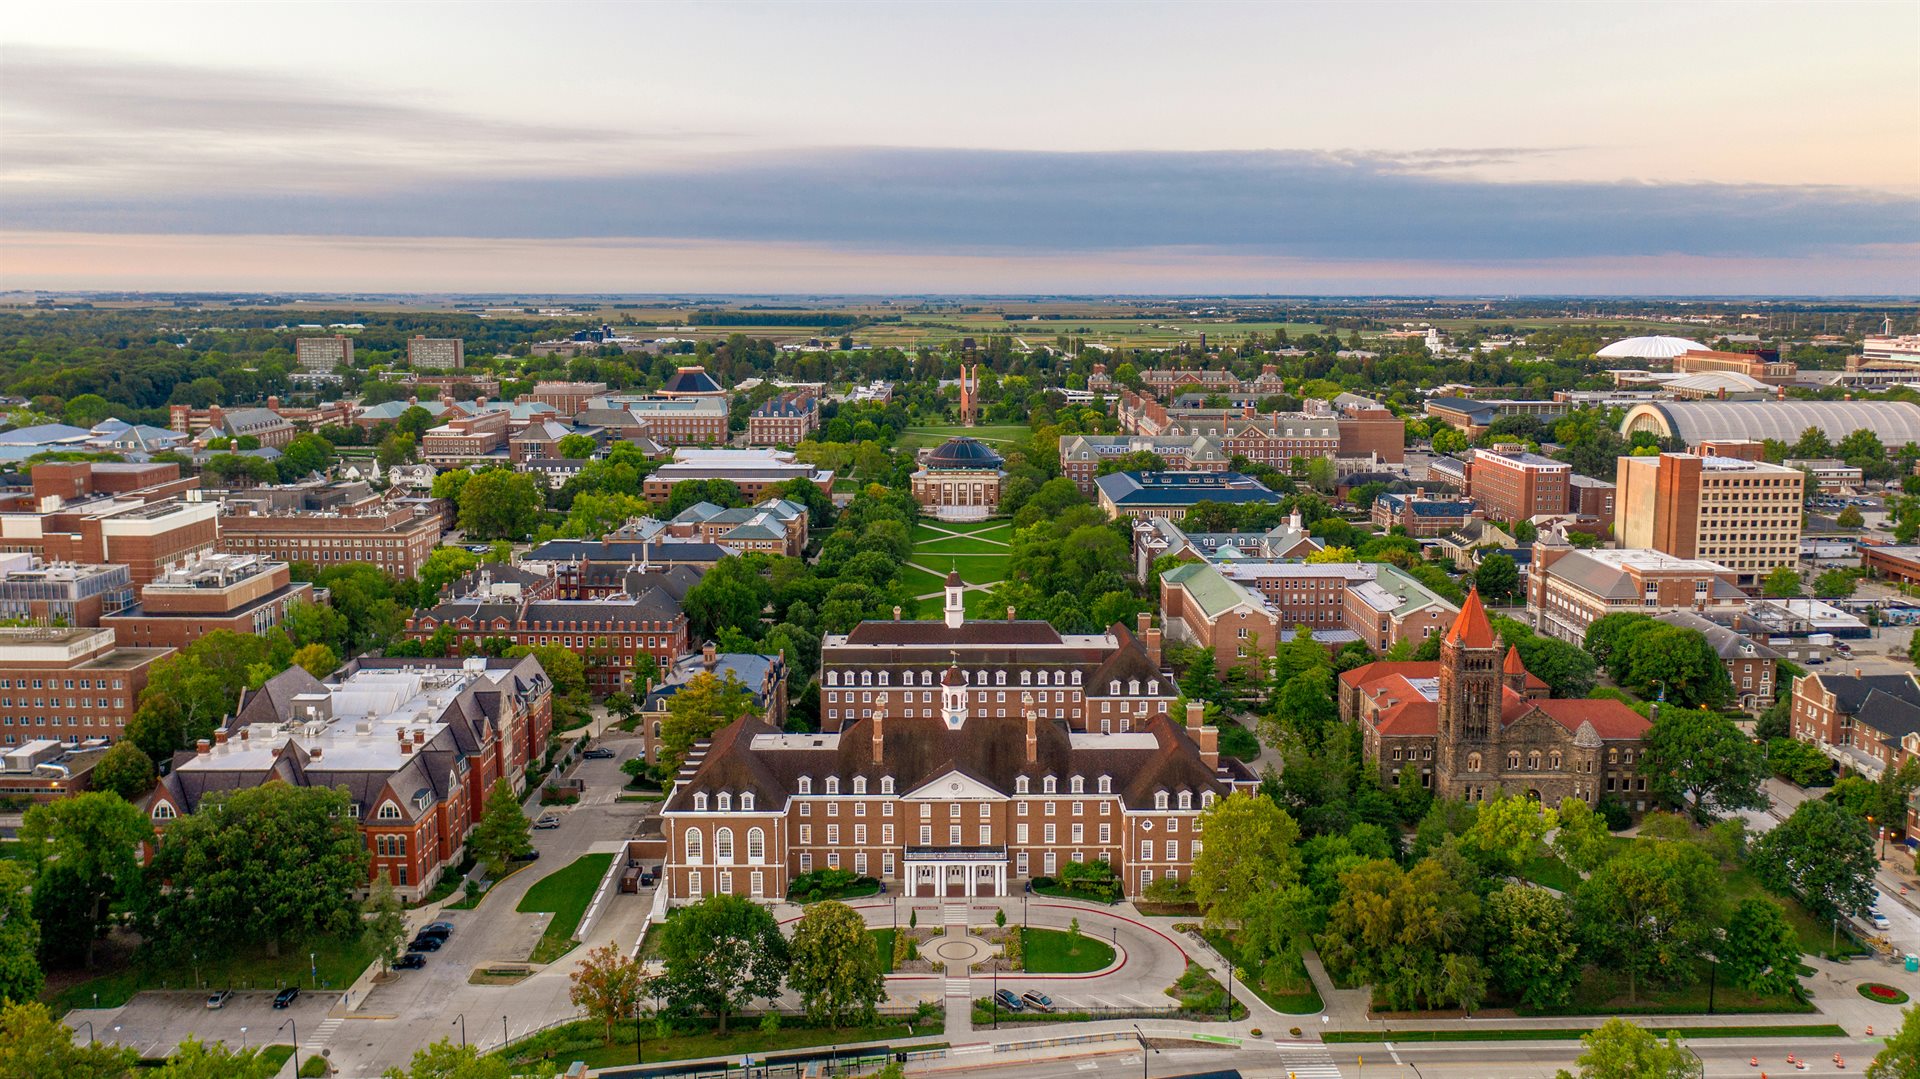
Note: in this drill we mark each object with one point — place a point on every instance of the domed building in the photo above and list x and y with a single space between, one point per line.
960 480
1662 349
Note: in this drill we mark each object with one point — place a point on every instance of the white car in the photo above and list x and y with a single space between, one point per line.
1880 921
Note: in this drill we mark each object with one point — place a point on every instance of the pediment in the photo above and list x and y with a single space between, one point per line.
954 786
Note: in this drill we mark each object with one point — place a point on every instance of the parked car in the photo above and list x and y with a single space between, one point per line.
1038 1001
286 996
219 998
1009 1001
443 930
547 822
425 944
530 856
1880 922
599 753
410 961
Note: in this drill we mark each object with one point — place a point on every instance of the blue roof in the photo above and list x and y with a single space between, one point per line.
749 667
1181 488
1427 507
44 434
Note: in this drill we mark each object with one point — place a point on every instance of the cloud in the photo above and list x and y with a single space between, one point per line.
1268 203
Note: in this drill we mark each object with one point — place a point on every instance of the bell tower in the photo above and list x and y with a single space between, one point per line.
1471 681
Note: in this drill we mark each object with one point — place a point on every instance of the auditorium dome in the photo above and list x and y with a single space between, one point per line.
963 453
1649 348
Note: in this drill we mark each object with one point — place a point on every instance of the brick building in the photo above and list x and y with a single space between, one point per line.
1512 485
1421 516
415 743
463 439
1588 497
692 382
127 514
1172 494
609 632
776 526
240 593
1750 663
753 471
326 524
592 569
959 480
566 398
784 420
68 683
1241 609
320 355
670 421
436 353
62 593
1867 723
1743 514
765 677
1081 455
1767 368
1568 590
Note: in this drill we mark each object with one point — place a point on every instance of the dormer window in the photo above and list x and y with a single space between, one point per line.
833 678
859 784
999 678
866 678
1133 687
883 678
700 801
1049 785
886 784
1206 799
1026 678
389 811
1153 688
723 802
1076 678
163 811
1078 784
746 802
1186 799
1159 799
806 785
1021 785
833 784
1106 784
1113 690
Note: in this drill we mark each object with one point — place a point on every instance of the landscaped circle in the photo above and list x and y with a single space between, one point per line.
1883 994
958 950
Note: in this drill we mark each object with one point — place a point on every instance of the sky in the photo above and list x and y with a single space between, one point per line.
1452 148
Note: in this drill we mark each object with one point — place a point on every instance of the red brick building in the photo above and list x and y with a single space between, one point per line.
239 593
1510 485
567 398
416 744
68 683
465 438
784 420
609 633
326 524
94 512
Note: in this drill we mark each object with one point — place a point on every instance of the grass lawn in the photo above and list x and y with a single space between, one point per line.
926 531
1304 1002
1811 1030
919 582
565 894
1815 935
992 435
1052 951
883 947
973 568
1549 871
1604 992
946 546
583 1041
338 964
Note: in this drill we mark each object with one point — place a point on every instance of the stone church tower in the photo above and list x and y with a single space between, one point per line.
1470 699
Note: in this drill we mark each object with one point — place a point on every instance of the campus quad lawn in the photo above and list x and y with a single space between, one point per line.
919 582
565 894
974 568
997 436
925 531
947 546
582 1041
1047 951
1304 1002
339 965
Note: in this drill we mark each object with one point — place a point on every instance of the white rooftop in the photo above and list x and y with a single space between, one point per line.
1646 559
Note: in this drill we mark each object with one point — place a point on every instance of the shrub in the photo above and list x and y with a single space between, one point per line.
830 884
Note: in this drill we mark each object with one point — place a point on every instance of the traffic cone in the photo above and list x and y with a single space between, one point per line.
1869 1032
1753 1062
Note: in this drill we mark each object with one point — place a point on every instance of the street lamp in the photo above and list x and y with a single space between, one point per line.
1144 1050
89 1024
503 1032
291 1022
243 1039
462 1020
313 959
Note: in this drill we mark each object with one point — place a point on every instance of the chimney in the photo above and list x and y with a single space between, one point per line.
243 734
220 737
1009 614
316 752
273 401
1856 672
1033 731
202 747
420 737
1196 715
406 747
709 657
879 730
1153 644
896 614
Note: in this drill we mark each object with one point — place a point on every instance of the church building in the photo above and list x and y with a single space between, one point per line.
1476 724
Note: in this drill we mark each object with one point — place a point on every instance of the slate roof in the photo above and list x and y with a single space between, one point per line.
1726 643
1181 488
625 551
691 380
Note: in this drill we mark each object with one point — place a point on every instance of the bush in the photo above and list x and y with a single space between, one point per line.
1616 814
830 884
1797 762
1238 742
1094 882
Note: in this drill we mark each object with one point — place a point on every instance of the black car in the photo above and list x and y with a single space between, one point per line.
443 930
425 944
530 856
599 753
410 961
285 996
1009 1001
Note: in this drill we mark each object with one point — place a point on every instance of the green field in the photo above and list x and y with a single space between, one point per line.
1053 951
251 969
564 894
997 436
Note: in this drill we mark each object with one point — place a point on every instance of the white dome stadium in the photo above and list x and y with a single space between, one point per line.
1649 348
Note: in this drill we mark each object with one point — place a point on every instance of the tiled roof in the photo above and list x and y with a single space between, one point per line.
1470 627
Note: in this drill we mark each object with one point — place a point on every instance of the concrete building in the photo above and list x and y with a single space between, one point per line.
61 593
1474 416
320 355
243 594
1568 590
1744 515
1172 494
68 683
1514 485
959 480
1768 369
1475 726
1888 349
416 744
436 353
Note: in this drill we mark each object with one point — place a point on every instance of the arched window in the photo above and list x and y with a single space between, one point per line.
1049 785
1021 785
866 678
806 785
700 801
1076 678
1000 678
722 845
1106 784
1186 799
1613 756
656 729
163 811
1026 678
859 784
1553 760
746 802
1473 762
723 802
833 678
1159 799
1206 799
833 784
1533 761
1114 688
1133 687
756 845
1153 688
695 849
886 784
1513 759
883 678
389 811
1078 784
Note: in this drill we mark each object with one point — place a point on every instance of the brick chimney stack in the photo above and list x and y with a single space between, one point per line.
709 656
1149 635
1205 737
1033 728
202 747
879 730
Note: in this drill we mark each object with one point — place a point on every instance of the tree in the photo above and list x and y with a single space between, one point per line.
123 770
303 455
1531 952
1813 443
273 865
1901 1058
1506 833
1497 578
1610 637
1850 518
731 594
504 833
1567 670
1835 584
1761 953
87 852
1620 1050
1823 854
33 1045
833 966
721 954
704 705
500 504
1409 932
1306 708
316 659
1679 663
195 1059
1251 848
1702 761
1582 840
1330 555
606 985
445 1060
1782 583
443 566
386 923
307 622
576 447
21 978
1650 910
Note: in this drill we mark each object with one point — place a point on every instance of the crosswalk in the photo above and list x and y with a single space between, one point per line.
1308 1062
958 986
954 914
321 1035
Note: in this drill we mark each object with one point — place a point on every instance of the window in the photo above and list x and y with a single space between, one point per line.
723 845
1020 785
1078 785
1020 833
986 835
700 801
1049 785
833 784
926 835
1159 799
163 811
1513 759
1047 834
1473 762
695 850
723 802
1186 799
886 787
953 836
1146 850
746 802
833 834
388 811
756 845
1106 784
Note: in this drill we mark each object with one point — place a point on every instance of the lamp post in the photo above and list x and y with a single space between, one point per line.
313 961
995 999
1229 991
291 1022
89 1024
1144 1050
462 1020
243 1039
503 1032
